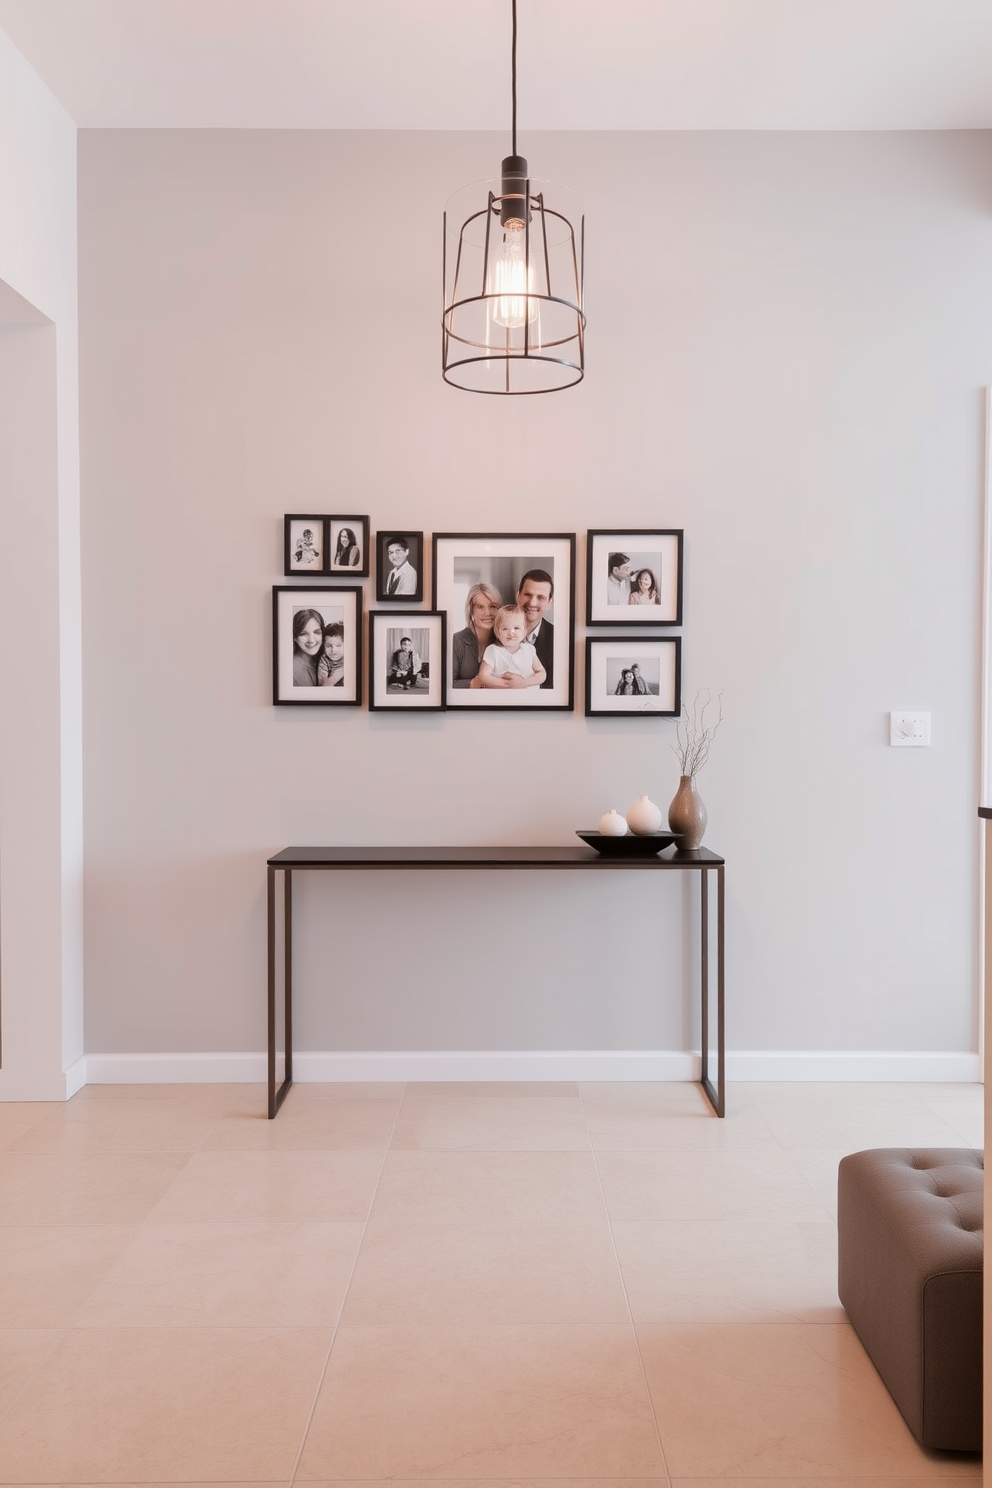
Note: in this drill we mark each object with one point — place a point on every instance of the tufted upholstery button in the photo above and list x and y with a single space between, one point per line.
910 1252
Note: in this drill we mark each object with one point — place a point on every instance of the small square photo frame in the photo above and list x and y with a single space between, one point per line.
634 576
628 678
406 660
399 566
304 544
316 646
348 547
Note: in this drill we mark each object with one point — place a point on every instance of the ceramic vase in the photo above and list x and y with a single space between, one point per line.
644 817
612 825
687 814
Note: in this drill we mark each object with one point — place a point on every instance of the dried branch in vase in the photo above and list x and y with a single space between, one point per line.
694 735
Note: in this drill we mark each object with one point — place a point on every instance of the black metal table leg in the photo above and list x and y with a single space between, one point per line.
276 1097
717 1094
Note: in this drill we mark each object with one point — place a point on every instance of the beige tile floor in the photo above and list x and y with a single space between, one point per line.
495 1285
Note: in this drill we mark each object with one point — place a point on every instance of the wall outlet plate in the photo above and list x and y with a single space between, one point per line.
909 728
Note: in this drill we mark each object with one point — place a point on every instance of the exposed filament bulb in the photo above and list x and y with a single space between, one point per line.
510 282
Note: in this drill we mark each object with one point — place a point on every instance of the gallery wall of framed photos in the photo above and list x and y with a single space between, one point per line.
502 631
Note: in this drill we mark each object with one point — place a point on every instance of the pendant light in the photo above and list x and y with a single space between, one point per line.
513 273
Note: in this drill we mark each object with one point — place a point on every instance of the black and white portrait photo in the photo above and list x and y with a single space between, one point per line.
508 601
348 546
305 549
399 566
406 654
316 645
634 578
626 676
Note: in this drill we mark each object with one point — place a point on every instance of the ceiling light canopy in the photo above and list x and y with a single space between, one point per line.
513 320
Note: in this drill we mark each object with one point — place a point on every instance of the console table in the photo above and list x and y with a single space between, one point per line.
291 860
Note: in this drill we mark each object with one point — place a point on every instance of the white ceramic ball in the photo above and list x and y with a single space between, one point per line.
644 817
612 825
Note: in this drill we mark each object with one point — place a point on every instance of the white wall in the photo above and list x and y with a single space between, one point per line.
41 1017
788 338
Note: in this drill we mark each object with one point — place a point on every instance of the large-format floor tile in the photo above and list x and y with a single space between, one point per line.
355 1123
488 1402
967 1472
494 1123
23 1352
120 1126
729 1271
48 1271
226 1275
762 1185
246 1186
487 1273
775 1400
609 1481
851 1115
487 1089
488 1187
164 1406
84 1188
626 1123
961 1106
18 1117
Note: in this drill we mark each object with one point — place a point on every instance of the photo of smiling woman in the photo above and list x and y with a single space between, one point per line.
316 645
308 641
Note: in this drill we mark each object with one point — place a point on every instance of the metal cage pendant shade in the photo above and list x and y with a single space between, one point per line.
513 320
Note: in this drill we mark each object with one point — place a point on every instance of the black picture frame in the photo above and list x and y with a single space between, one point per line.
414 686
295 527
409 584
654 664
353 563
466 565
331 606
646 550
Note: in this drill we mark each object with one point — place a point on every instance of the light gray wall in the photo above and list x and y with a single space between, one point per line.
788 340
41 777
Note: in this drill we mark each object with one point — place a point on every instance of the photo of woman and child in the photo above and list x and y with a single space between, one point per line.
318 649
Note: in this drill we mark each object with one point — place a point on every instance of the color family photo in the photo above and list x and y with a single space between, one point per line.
634 577
508 602
316 645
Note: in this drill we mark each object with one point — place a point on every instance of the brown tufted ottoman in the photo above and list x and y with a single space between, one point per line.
910 1247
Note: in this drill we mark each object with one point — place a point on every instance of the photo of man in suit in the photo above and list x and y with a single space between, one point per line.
402 577
534 594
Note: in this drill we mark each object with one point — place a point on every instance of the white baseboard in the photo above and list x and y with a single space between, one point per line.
539 1064
874 1065
75 1076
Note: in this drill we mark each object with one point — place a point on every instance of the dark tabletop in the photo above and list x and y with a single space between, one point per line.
485 857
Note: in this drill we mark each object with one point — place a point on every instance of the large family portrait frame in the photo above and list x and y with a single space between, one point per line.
316 645
474 575
634 576
406 660
628 677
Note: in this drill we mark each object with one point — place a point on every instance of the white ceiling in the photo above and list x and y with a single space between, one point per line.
444 64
